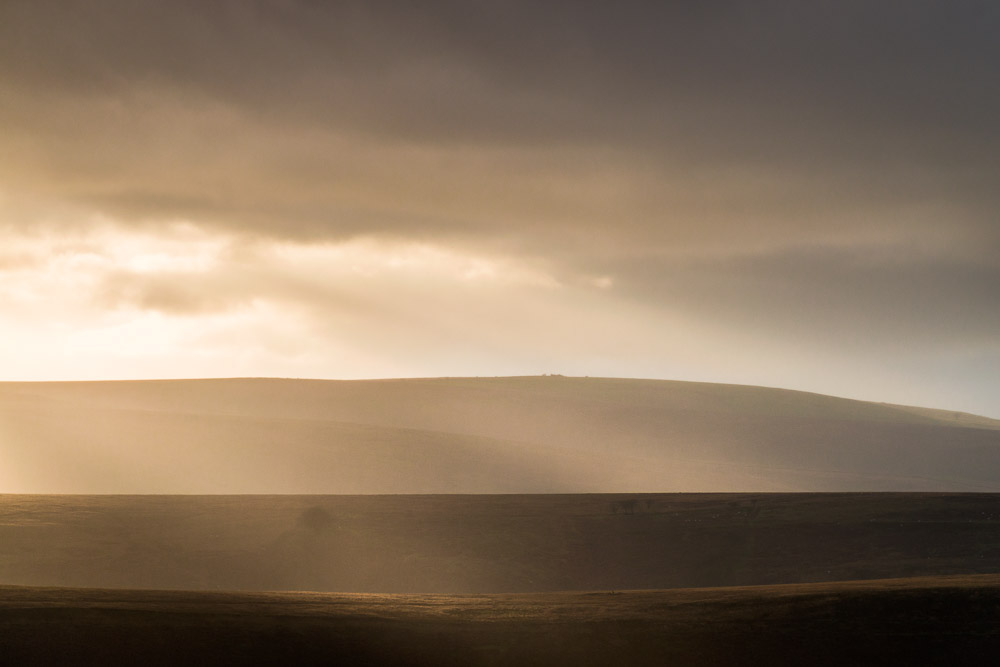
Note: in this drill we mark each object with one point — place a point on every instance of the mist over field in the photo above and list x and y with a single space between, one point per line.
477 435
474 544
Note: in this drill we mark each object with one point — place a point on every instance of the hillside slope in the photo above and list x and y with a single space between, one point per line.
476 435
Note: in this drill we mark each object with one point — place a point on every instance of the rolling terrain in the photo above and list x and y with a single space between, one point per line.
476 435
446 520
928 621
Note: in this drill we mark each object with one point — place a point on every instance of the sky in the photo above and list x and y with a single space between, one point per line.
801 195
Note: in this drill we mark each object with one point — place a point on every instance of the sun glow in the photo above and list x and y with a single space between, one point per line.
108 302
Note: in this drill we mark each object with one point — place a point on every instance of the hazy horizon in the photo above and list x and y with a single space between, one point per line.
474 377
789 195
551 434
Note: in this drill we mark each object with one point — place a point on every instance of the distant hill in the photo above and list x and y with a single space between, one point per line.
477 435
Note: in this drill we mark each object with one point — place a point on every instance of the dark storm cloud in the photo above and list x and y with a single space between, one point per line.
465 69
343 118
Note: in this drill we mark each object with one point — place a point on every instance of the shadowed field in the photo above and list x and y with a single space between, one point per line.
477 435
503 543
946 620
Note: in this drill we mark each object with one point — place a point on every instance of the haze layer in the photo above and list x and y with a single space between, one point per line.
482 435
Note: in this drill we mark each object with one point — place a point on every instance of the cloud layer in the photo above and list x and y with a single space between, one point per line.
803 194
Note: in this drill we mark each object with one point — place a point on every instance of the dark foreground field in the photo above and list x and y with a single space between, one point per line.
945 620
491 544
